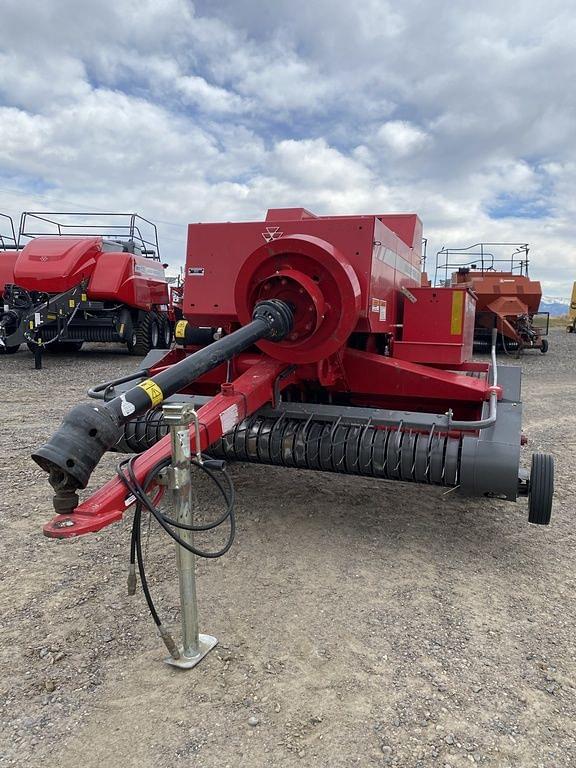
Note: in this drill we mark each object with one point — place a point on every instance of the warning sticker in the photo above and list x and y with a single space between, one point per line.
180 329
153 391
196 271
379 306
229 418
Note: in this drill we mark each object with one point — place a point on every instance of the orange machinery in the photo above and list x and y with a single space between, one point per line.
506 298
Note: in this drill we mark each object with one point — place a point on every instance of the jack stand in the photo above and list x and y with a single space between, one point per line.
194 646
38 357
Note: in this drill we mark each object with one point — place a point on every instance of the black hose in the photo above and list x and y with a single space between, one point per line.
139 491
142 570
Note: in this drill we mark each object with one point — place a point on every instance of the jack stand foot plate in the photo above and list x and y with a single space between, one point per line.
205 645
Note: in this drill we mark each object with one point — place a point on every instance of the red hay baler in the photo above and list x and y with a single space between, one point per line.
329 356
99 279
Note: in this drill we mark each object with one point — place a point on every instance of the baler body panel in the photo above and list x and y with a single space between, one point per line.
7 264
128 279
382 261
395 265
438 327
56 264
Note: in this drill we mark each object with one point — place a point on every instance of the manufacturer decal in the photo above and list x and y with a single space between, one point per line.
150 270
272 233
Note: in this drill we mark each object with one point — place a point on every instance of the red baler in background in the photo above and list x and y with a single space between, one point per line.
8 255
67 281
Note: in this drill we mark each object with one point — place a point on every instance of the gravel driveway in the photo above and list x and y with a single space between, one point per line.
361 623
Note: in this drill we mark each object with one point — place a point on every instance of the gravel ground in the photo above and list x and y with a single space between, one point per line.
360 623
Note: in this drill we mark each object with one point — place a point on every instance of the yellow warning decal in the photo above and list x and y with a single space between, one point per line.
457 312
71 303
31 325
84 297
180 330
153 391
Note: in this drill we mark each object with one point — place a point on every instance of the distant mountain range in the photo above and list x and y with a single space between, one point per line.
554 305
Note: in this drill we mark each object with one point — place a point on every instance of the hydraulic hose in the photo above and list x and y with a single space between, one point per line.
88 431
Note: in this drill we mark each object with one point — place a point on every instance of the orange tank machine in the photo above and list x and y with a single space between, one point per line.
506 298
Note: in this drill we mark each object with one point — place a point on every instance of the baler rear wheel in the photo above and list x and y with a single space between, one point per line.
544 347
9 350
145 336
541 489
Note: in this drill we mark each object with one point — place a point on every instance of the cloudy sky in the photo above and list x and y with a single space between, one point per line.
216 110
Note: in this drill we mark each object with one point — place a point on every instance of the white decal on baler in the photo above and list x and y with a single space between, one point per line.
229 418
126 407
272 233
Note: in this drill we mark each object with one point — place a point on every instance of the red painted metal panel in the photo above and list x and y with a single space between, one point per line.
407 226
56 264
7 264
128 279
382 260
438 327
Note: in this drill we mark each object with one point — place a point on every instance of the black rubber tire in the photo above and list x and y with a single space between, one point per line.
154 333
544 347
142 338
541 489
9 350
165 329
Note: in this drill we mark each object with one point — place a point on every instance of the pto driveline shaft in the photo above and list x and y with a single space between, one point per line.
152 392
88 431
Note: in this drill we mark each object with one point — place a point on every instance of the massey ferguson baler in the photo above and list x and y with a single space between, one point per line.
331 357
71 283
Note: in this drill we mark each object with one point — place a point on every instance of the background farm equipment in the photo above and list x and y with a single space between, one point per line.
84 277
8 257
506 298
330 357
571 327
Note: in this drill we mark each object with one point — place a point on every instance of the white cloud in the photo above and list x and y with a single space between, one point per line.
216 110
402 137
